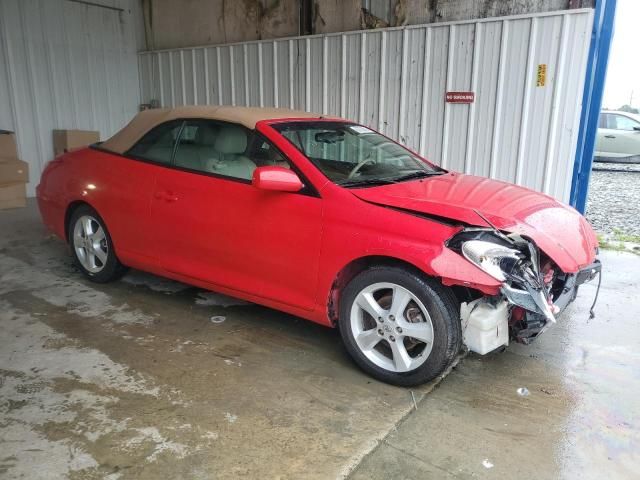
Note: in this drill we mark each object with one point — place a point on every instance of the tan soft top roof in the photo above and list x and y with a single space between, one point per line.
148 119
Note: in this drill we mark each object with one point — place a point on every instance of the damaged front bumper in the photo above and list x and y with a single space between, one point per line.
540 309
534 300
533 292
519 314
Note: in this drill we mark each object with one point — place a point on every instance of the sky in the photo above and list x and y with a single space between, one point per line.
623 74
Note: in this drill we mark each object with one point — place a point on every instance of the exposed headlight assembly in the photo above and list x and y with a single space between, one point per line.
515 268
496 260
515 262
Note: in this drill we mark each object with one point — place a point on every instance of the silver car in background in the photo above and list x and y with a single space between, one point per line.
618 137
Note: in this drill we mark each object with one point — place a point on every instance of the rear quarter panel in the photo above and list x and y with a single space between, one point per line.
51 196
118 188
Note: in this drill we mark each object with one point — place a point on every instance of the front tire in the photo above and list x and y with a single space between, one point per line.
91 246
399 327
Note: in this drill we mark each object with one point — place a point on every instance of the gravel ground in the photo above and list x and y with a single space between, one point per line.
614 198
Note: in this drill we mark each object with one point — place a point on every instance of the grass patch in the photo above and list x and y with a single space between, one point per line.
621 236
616 247
620 242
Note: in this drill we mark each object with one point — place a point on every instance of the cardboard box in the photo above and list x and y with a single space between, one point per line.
13 170
65 140
13 195
8 144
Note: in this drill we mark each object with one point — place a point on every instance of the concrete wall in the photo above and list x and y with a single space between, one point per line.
170 24
412 12
173 24
331 16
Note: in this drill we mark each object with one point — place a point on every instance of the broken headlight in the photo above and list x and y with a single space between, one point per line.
497 260
512 260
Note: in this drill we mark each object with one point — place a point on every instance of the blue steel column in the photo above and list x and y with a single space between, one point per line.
601 37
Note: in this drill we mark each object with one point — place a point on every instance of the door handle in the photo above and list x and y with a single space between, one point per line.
609 136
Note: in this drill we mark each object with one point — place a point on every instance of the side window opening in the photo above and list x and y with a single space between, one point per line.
158 144
602 122
211 146
264 154
196 145
188 135
623 123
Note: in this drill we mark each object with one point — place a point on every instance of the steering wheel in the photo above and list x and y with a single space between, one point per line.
360 164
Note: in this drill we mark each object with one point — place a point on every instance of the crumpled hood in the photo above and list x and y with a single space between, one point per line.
558 230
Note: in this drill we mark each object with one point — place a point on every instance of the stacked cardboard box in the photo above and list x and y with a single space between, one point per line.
14 173
65 140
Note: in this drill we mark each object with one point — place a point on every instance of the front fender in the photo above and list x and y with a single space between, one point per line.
351 237
454 269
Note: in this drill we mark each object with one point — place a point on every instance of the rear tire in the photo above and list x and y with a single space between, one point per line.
91 246
400 327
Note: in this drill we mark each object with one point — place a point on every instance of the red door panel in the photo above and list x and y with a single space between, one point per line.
232 234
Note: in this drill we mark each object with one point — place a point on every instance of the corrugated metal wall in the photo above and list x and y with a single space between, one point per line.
395 80
66 65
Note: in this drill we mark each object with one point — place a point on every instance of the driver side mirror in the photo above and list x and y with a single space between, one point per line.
277 179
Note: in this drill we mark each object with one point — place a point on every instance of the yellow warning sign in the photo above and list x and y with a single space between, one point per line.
542 75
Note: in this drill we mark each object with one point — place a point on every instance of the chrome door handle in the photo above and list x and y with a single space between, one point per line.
609 136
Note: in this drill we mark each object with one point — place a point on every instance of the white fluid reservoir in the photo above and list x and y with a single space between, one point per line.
485 326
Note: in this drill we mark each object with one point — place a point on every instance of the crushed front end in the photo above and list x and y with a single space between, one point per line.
533 293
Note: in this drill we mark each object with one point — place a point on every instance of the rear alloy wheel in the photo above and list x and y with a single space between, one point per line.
92 247
399 327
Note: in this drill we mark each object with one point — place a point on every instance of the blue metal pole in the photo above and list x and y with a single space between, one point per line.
601 37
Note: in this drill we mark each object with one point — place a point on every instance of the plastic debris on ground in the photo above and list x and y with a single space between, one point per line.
413 397
231 418
217 319
523 391
486 463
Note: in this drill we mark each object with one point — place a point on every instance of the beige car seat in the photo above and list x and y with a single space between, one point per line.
229 159
159 153
195 155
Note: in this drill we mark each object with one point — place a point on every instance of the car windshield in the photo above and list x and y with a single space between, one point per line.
355 156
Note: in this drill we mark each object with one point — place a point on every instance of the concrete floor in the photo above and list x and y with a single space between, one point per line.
134 380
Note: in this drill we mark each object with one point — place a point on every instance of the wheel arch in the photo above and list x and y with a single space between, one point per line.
114 268
72 207
356 266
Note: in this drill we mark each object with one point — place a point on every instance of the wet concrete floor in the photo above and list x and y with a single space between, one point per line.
134 380
580 419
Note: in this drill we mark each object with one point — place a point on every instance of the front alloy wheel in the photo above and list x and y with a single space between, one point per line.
399 326
391 327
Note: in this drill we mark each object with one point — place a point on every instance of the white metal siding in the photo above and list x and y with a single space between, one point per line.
66 65
395 80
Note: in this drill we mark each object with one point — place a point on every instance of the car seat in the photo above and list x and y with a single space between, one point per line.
194 155
230 146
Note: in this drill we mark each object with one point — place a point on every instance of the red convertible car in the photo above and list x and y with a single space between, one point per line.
328 220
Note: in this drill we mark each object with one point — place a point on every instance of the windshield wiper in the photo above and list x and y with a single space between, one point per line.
418 174
370 182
